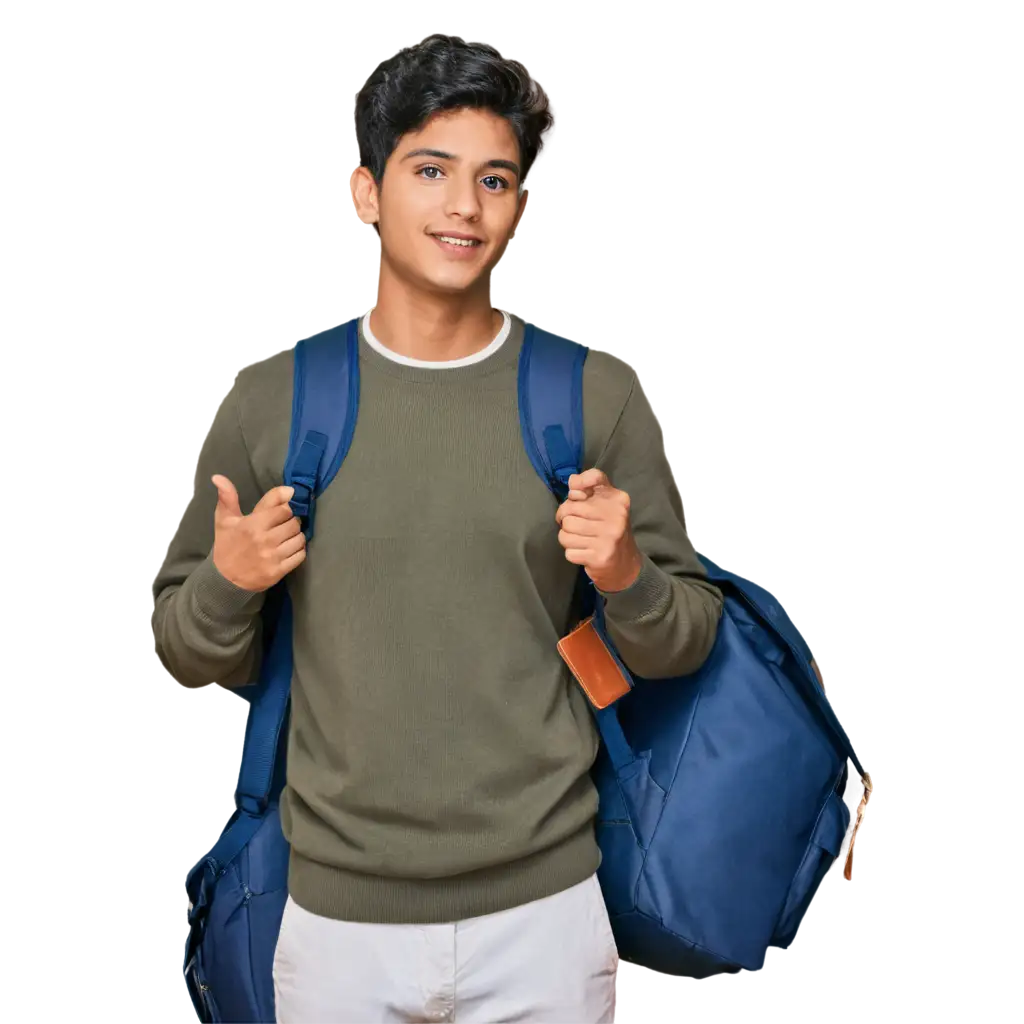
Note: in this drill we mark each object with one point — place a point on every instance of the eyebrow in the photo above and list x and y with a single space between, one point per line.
508 165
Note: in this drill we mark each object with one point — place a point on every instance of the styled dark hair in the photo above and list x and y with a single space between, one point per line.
446 73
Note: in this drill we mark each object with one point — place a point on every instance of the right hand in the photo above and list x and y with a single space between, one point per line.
255 551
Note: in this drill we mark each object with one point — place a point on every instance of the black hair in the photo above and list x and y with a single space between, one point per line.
446 73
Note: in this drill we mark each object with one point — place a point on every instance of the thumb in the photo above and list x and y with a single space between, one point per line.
227 497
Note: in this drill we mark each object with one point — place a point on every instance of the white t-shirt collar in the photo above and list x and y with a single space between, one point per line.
437 364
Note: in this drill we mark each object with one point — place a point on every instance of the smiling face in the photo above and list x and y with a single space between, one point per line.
458 175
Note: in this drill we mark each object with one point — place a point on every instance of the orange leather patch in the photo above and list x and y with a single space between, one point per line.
593 665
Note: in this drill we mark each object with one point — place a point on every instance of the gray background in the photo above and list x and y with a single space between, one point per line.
170 202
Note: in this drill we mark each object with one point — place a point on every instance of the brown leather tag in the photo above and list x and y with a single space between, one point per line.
593 665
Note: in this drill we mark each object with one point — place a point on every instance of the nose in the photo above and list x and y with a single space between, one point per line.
462 198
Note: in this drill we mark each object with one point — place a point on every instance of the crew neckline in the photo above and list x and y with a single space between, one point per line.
437 364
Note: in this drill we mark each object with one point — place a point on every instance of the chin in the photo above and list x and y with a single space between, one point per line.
434 273
451 280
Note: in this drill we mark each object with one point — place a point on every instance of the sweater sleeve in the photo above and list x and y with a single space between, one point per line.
665 623
206 628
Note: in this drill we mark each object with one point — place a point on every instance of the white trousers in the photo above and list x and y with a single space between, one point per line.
552 959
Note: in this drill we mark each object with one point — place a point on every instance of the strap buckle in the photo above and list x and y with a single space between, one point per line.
303 474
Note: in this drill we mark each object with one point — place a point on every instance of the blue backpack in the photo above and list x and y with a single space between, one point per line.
721 792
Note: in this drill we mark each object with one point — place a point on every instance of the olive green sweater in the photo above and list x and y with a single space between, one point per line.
439 749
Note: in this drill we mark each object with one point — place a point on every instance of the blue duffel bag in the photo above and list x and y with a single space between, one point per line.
721 792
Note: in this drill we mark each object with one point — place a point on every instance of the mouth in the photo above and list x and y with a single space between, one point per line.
455 245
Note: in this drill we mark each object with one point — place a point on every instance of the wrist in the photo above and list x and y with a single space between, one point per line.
616 584
217 597
231 570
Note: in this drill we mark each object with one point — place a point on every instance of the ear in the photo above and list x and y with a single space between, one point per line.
365 195
519 213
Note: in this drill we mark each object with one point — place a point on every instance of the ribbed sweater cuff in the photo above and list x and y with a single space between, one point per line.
646 597
220 600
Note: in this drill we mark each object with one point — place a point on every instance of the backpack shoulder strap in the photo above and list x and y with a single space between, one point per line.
551 406
325 400
551 418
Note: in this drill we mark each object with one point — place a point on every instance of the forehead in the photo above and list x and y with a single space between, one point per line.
467 132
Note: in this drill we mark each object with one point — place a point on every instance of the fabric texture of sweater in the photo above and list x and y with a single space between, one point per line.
439 749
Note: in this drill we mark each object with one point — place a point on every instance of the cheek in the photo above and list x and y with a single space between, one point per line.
406 213
499 220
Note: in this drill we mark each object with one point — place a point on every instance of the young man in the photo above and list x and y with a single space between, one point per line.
439 807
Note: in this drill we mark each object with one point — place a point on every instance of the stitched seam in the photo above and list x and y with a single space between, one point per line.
619 420
241 434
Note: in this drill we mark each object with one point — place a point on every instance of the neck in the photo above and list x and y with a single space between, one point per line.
431 325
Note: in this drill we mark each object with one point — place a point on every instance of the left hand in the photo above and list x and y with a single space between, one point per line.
596 533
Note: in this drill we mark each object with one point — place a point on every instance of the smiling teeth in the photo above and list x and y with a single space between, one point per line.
457 241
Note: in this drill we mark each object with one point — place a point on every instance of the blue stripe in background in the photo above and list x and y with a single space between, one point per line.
767 328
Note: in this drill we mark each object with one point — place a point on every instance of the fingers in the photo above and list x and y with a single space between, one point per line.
588 478
273 508
275 497
286 530
578 556
293 545
258 550
293 561
593 484
580 510
579 527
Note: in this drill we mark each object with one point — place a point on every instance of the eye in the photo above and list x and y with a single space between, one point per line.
429 167
494 177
